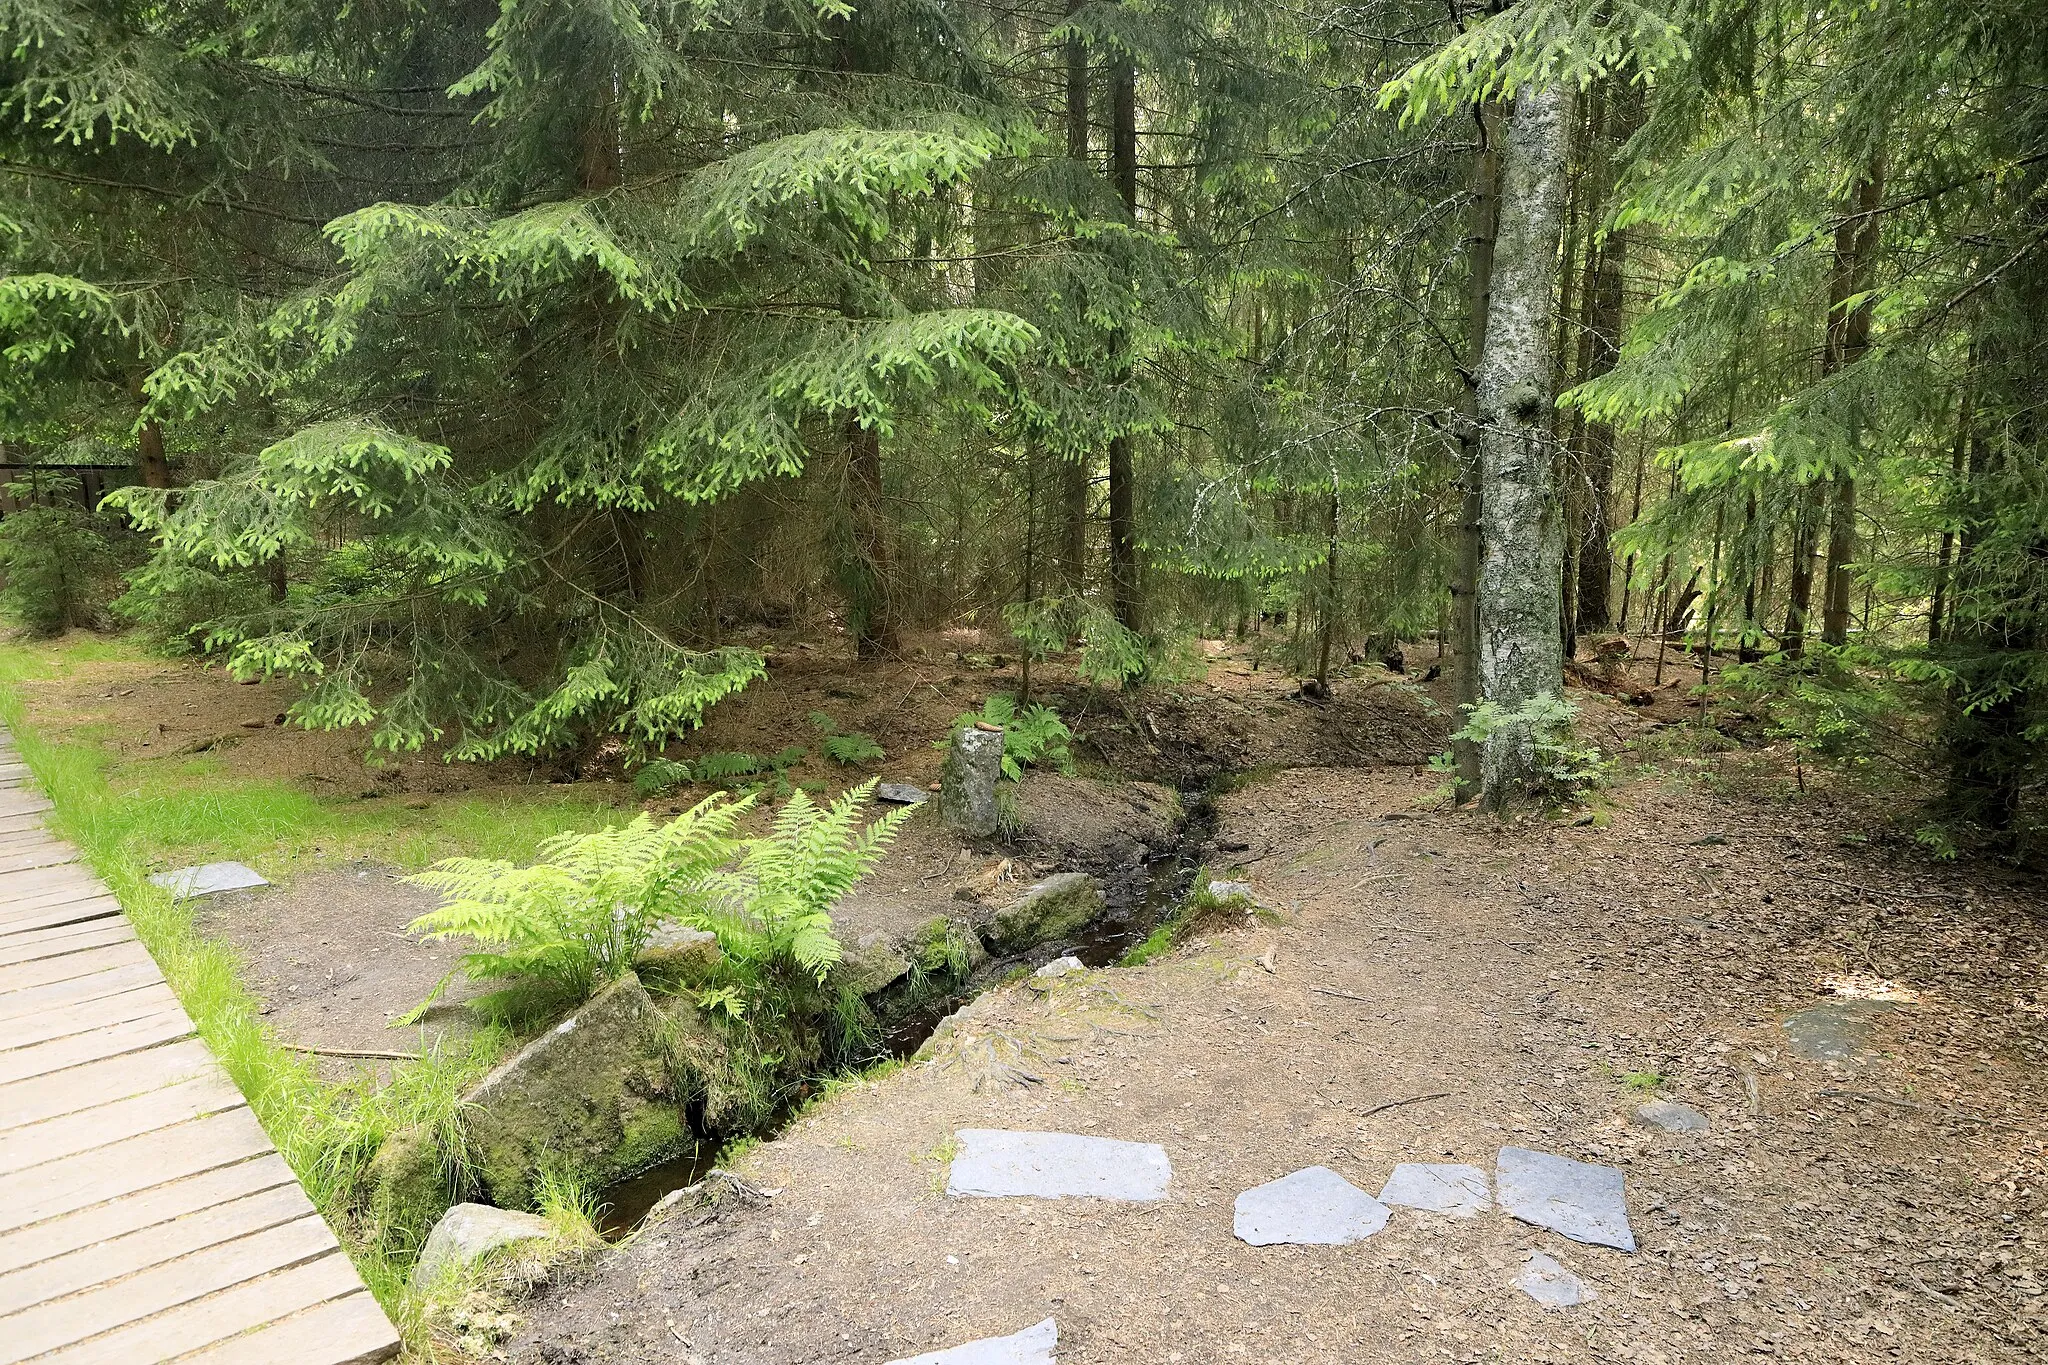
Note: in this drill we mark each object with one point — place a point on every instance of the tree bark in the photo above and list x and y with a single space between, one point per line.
1465 571
1799 587
1604 302
1521 556
1848 340
868 606
1123 535
1074 472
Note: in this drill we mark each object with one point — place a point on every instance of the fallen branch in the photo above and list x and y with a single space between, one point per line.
1412 1099
371 1054
1343 995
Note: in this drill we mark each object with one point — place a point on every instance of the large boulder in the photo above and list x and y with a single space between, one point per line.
870 964
409 1186
469 1233
1052 910
591 1099
680 951
967 782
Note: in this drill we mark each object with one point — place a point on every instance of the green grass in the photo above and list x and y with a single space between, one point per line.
131 819
1643 1080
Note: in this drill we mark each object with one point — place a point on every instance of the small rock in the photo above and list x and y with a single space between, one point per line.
872 964
1550 1284
1312 1207
1032 1346
254 723
1050 910
679 948
899 793
1443 1187
1838 1031
468 1233
1577 1199
1060 966
967 782
994 1164
1230 891
207 879
1671 1117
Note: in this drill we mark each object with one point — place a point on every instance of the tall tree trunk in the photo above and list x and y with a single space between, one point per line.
1465 571
1604 302
1074 472
150 465
1123 534
1948 536
1521 555
869 609
1799 585
1329 613
1847 342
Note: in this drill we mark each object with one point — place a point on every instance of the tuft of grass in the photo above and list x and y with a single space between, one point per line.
1199 910
1643 1080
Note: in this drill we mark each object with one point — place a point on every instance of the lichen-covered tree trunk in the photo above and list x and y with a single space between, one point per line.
1465 572
1521 549
1074 472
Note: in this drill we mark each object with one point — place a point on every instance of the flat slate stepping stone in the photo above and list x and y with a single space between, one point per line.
1313 1207
1550 1284
995 1163
1835 1032
208 878
901 793
1576 1199
1032 1346
1671 1117
1439 1187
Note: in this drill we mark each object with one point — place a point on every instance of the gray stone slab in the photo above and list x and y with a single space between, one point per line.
1576 1199
900 793
1550 1284
469 1232
994 1163
1439 1187
1838 1031
208 878
1312 1207
1671 1117
1032 1346
967 782
1061 966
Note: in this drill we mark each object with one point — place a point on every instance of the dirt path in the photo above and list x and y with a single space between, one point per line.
1887 1209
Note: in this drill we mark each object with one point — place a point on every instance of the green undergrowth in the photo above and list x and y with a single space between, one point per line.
1200 909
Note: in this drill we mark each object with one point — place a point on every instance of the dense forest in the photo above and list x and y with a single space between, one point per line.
490 367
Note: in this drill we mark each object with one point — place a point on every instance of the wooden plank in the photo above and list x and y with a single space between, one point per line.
72 910
49 1326
102 1081
29 882
64 938
61 1187
30 1045
114 1259
77 989
23 801
47 971
102 1223
16 840
104 1125
50 854
345 1331
223 1316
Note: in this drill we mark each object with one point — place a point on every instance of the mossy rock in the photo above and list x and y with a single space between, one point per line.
591 1100
1054 909
409 1187
869 966
945 947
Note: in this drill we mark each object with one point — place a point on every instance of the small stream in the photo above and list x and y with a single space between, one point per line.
1139 898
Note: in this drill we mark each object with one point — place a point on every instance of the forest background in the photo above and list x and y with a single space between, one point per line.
490 367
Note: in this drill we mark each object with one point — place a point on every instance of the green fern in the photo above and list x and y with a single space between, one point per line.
724 765
854 748
1033 736
660 775
578 917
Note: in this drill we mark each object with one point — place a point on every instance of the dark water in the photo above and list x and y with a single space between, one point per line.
1147 895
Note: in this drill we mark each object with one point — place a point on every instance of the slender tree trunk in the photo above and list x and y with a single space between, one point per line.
1605 299
1948 536
1123 534
150 465
869 608
1521 556
1074 472
1848 341
1799 586
1329 621
1465 571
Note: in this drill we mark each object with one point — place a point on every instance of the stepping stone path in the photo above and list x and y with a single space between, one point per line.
1550 1284
1835 1032
994 1164
1312 1207
1032 1346
207 879
1671 1117
1574 1198
1460 1191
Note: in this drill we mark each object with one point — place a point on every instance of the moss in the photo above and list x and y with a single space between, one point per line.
410 1188
944 947
1049 911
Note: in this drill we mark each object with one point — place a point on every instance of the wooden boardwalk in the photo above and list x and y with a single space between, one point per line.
144 1215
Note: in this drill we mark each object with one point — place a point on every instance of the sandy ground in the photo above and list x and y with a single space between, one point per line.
1439 986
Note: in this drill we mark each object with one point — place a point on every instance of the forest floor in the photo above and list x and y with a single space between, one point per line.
1429 985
